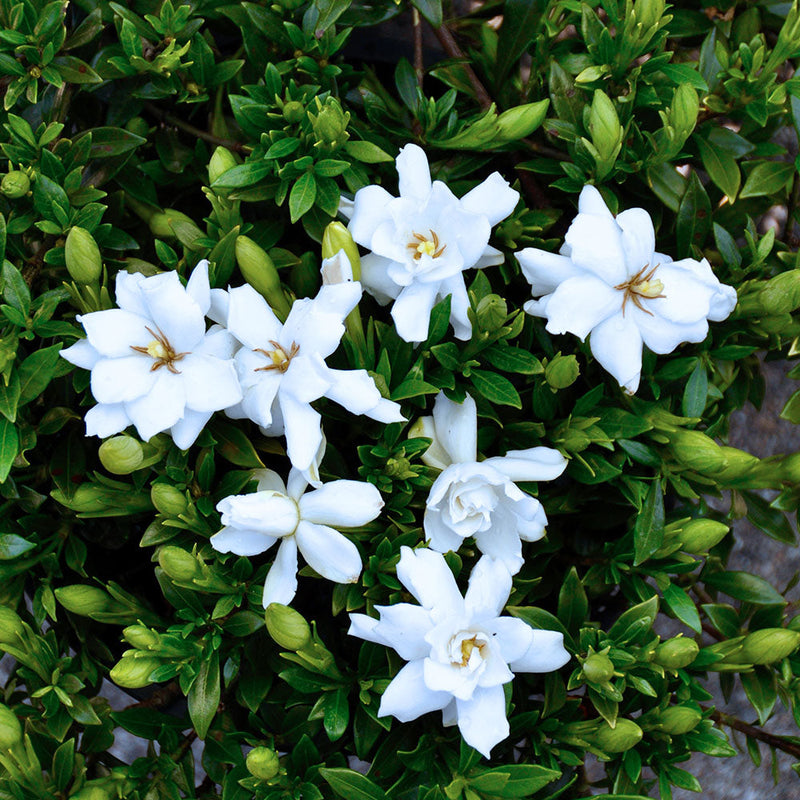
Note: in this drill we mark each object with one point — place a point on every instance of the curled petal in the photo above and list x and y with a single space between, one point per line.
281 583
411 311
617 346
186 430
344 504
328 552
533 464
407 697
426 575
413 172
488 590
482 719
493 199
241 542
106 419
545 653
369 210
456 427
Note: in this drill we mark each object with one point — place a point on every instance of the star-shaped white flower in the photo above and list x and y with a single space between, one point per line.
153 363
422 242
282 368
460 650
480 498
304 521
610 281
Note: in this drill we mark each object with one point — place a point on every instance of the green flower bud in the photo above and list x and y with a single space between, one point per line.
172 224
259 271
92 793
335 238
15 184
678 719
141 637
697 451
134 673
221 161
178 564
768 645
287 627
781 294
11 625
82 254
521 121
10 729
86 600
263 763
293 112
138 126
562 371
491 312
700 535
625 735
598 668
676 653
121 455
168 500
330 124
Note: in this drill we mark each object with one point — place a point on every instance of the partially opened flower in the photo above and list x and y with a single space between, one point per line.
282 366
304 522
153 363
422 242
480 498
610 281
460 650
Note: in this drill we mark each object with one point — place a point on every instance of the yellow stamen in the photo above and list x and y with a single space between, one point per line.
641 284
421 245
161 351
278 356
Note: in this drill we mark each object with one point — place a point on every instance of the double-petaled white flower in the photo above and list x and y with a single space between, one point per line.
460 650
153 363
282 369
422 242
480 498
610 281
303 521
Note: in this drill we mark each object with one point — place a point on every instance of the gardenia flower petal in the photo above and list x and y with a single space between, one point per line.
344 504
482 719
268 512
412 310
407 697
404 626
611 283
426 575
456 428
533 464
241 542
488 590
188 427
493 198
328 552
81 354
106 419
281 583
174 312
160 408
545 653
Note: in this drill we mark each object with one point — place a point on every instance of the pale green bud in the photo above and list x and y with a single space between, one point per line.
335 238
598 668
697 451
562 371
676 720
781 294
287 627
491 312
134 673
604 126
172 224
625 735
178 564
768 645
138 126
263 763
92 793
259 270
700 535
10 729
521 121
15 184
330 124
84 263
293 112
141 637
168 500
121 455
86 600
221 161
11 625
676 653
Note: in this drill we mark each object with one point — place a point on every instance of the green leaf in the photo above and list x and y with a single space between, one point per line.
768 519
745 587
366 152
521 780
768 177
694 216
352 785
520 22
682 606
302 196
635 621
495 388
9 396
322 14
721 167
513 359
431 10
648 530
13 546
36 371
413 388
695 394
15 290
573 606
243 175
235 446
73 70
539 619
9 446
203 697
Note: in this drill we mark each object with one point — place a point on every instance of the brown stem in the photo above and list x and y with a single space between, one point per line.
160 697
778 742
34 265
171 119
452 49
419 63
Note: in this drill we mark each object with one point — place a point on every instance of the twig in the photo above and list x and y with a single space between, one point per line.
778 742
160 697
237 147
452 49
419 63
34 265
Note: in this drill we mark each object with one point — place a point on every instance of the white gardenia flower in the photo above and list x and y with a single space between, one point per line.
480 498
422 242
460 650
282 369
153 363
610 281
304 521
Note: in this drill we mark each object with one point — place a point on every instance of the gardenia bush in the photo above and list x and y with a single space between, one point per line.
367 373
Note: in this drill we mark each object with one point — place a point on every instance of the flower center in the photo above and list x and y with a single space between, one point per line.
161 351
278 356
641 284
462 649
421 245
